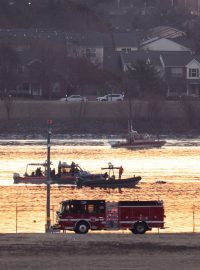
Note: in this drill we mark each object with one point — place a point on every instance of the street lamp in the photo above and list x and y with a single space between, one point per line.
48 210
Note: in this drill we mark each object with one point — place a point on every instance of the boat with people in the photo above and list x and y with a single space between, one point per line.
36 173
136 140
73 174
109 179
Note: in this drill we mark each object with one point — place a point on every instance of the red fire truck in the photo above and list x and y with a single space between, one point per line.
81 216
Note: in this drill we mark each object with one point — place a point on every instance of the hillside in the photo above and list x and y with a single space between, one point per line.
91 15
65 15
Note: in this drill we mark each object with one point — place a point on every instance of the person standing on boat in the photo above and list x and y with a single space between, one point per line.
73 167
38 172
121 170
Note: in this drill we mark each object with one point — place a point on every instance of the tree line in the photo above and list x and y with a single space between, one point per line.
53 14
60 14
74 75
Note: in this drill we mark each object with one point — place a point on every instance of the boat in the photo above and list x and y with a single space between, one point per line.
136 140
108 180
36 173
109 183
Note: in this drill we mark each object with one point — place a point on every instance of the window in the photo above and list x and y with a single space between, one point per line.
75 52
77 208
193 72
90 52
35 89
126 50
25 87
115 95
83 207
90 208
194 89
177 72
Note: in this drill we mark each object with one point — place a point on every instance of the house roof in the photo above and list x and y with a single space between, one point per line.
24 39
163 44
164 31
94 39
186 42
134 56
126 39
178 59
27 57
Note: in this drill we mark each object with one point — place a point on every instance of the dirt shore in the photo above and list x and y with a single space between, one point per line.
100 251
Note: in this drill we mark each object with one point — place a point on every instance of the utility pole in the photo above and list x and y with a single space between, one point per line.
48 204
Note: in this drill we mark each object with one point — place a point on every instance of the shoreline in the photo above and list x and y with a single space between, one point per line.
90 136
100 251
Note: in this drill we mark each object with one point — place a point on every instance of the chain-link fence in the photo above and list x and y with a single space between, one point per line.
17 218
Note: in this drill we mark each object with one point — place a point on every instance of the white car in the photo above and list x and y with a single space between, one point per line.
111 97
75 98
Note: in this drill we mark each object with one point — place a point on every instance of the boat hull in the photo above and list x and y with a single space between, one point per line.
63 180
139 144
70 180
123 183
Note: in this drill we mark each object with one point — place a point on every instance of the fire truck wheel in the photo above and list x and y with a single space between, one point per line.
82 227
139 228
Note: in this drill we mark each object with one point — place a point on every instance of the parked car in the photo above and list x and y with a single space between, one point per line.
111 97
76 98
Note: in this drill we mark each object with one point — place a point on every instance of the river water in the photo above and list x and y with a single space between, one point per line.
22 207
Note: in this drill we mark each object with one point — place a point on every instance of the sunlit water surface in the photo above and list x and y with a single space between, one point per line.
177 164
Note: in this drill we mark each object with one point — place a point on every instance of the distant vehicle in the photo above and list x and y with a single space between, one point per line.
76 98
111 97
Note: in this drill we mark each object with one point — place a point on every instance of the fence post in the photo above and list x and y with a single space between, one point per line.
193 216
53 213
16 217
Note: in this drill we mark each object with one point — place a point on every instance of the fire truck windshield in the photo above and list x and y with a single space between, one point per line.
82 207
64 208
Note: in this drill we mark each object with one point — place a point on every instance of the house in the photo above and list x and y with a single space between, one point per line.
27 43
118 62
87 44
114 52
182 73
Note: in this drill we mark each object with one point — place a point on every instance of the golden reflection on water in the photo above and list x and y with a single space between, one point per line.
178 166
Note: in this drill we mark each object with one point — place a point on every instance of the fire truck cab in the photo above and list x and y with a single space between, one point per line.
81 216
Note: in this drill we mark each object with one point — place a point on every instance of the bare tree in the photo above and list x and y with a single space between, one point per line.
9 62
8 104
148 82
